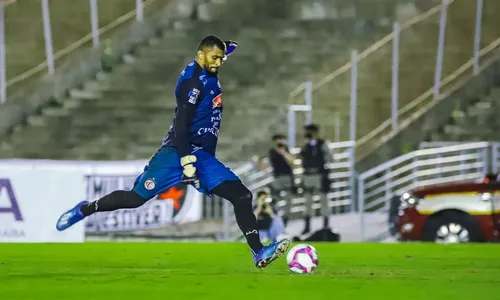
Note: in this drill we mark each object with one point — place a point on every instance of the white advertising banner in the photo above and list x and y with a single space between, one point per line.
47 188
31 201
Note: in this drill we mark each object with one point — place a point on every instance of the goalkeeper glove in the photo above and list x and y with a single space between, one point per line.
230 47
189 171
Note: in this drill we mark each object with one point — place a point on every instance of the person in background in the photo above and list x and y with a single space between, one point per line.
315 156
262 164
282 164
270 225
491 178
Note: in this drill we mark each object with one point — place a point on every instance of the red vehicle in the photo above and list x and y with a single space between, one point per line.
467 211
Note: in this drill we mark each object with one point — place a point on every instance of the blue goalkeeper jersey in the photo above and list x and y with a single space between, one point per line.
199 109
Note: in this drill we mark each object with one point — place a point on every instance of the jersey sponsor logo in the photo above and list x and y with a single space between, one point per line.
217 101
211 130
193 95
216 119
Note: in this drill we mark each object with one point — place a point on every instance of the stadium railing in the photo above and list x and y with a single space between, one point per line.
40 35
407 108
341 196
430 166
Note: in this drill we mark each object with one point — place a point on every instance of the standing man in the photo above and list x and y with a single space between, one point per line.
315 156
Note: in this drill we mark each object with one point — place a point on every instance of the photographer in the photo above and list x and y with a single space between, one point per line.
282 164
270 225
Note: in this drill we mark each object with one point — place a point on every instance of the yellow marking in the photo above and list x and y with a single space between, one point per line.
475 213
438 195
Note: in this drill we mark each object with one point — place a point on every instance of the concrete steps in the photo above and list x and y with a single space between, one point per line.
418 48
125 114
477 122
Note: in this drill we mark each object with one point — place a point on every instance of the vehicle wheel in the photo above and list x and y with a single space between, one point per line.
452 228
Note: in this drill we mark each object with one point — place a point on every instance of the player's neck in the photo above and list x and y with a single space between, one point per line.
198 62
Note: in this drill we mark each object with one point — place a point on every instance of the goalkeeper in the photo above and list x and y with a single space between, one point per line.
187 154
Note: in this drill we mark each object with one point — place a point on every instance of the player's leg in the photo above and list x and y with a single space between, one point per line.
241 198
162 172
148 185
216 178
235 192
115 200
119 199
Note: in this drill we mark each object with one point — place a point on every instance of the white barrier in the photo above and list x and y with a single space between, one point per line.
34 193
31 201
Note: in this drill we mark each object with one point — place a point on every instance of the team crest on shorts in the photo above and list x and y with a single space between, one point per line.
149 184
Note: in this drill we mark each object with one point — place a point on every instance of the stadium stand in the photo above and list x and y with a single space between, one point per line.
279 51
69 23
418 49
475 122
123 111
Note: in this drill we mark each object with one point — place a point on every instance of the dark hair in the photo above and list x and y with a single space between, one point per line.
211 41
312 127
278 137
261 193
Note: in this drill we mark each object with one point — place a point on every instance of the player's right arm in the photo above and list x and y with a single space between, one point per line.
188 95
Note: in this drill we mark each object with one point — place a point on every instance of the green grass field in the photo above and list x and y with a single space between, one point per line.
225 271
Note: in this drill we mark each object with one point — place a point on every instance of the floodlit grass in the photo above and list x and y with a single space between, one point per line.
226 271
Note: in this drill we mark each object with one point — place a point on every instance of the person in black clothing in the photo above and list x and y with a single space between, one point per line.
282 164
315 155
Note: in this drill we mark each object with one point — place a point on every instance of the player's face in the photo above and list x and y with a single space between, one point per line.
212 59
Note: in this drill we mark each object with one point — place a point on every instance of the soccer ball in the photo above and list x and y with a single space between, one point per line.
302 258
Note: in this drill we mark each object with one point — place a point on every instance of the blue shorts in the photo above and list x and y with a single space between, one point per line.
164 171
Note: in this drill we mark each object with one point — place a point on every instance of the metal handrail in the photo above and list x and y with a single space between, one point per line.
400 159
74 46
426 95
6 3
371 49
